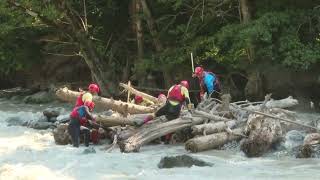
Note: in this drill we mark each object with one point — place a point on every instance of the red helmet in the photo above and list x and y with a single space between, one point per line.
198 71
138 99
185 84
161 96
94 88
89 104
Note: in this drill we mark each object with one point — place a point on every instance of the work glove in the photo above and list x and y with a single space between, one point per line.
190 106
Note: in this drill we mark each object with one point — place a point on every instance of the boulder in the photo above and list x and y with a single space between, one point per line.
61 135
41 125
181 161
39 98
51 112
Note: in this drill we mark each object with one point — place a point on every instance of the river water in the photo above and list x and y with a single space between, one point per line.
32 154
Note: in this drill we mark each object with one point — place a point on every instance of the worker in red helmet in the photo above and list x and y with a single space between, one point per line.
79 118
162 98
93 89
177 95
209 83
138 99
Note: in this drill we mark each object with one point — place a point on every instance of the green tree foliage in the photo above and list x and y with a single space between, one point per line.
284 32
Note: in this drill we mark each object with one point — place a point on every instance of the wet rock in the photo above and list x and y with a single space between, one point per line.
181 161
294 139
61 135
89 150
41 125
39 98
16 121
51 112
52 119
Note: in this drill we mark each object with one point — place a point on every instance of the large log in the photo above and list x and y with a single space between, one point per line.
263 133
211 116
67 95
211 128
109 121
150 132
139 93
212 141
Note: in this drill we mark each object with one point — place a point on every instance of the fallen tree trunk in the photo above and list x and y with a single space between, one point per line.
150 132
211 116
139 93
282 103
122 107
263 133
212 141
211 128
109 121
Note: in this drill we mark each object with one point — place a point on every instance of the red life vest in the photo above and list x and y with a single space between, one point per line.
79 113
175 94
79 101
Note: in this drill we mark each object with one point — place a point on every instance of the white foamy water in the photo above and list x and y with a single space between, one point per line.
32 154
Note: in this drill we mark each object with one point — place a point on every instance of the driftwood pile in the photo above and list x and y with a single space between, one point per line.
213 123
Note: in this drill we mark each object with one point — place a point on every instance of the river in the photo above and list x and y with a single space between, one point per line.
32 154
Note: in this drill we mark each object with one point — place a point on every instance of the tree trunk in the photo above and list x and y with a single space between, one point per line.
212 141
152 26
122 107
109 121
245 17
211 128
139 93
152 131
106 79
263 133
139 30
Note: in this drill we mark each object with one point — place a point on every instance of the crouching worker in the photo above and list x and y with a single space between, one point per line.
177 95
78 117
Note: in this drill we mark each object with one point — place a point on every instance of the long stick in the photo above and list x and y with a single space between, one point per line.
192 65
128 98
282 119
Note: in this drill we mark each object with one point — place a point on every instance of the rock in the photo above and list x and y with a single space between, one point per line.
41 125
181 161
293 139
89 150
51 112
16 121
40 97
52 119
61 135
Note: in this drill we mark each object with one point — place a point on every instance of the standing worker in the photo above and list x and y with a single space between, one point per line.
79 117
209 83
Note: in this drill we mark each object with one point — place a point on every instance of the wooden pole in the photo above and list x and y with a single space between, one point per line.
128 98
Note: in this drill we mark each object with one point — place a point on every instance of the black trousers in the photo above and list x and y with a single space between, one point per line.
170 111
75 130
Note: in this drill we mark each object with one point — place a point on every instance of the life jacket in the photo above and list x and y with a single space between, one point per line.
175 94
79 101
216 83
78 112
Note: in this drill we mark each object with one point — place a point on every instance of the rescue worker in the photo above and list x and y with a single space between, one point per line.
177 95
93 89
209 83
162 98
139 100
79 118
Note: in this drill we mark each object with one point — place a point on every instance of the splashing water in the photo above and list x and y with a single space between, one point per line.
32 154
